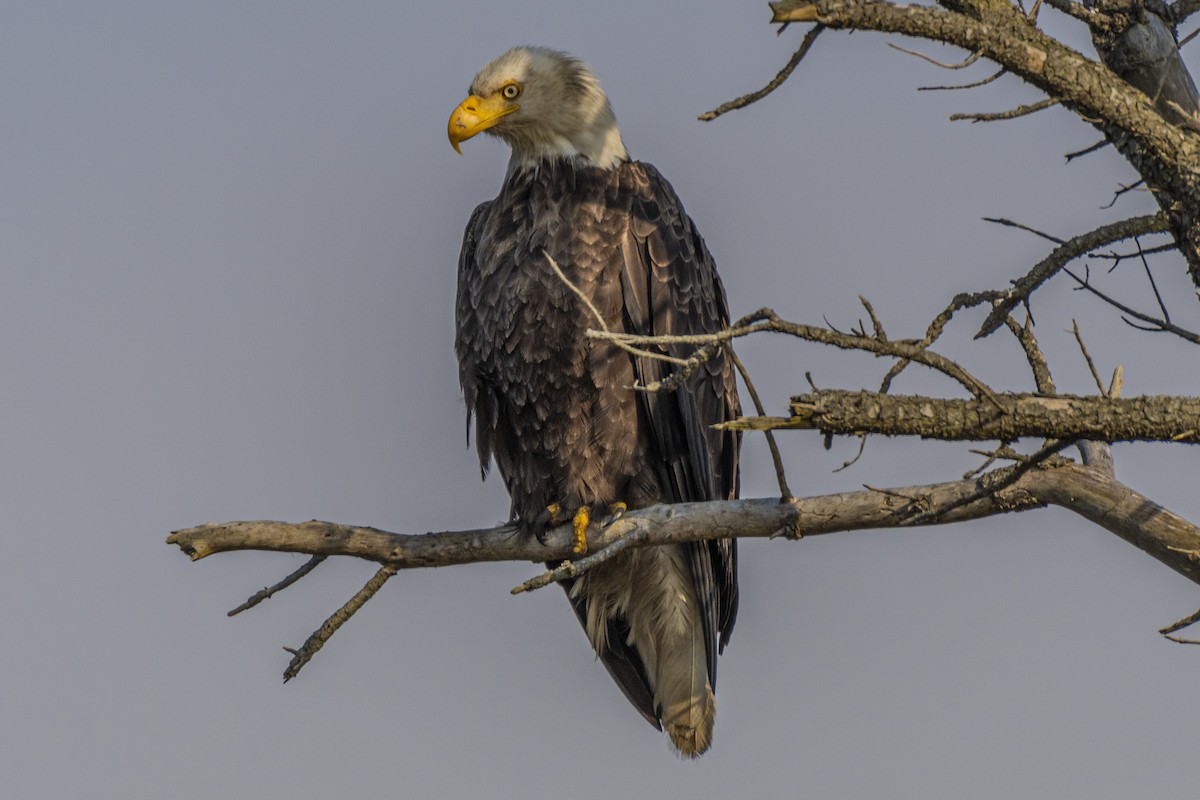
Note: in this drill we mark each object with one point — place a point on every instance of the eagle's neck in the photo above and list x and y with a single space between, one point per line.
598 145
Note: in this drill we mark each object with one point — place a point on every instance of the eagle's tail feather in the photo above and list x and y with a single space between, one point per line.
688 710
668 632
665 673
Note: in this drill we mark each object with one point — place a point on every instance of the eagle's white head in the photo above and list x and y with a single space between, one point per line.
545 105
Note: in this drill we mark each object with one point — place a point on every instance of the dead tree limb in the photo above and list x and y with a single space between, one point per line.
1062 255
1091 493
1096 418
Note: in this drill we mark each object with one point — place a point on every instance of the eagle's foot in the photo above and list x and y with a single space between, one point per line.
582 517
614 513
550 517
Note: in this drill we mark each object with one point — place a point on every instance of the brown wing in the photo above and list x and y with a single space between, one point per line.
671 286
466 342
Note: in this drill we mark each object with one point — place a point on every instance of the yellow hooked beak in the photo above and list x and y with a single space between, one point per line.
475 115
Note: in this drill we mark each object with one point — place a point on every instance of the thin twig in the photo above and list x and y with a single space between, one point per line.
1117 258
937 326
972 85
573 569
600 319
1013 113
1166 315
862 445
1178 625
785 493
1132 187
767 320
1008 223
783 75
1100 145
328 628
1000 480
1181 640
971 59
1062 255
990 458
876 325
259 596
1087 356
1152 325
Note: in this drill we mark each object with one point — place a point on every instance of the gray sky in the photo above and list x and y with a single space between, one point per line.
230 233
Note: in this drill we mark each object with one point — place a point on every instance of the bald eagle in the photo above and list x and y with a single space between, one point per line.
558 412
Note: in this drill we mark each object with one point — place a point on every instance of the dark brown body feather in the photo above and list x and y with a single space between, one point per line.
557 412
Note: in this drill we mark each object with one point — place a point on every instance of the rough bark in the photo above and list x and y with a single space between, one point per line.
1003 417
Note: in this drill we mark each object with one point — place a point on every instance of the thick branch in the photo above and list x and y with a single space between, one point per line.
1088 492
1010 417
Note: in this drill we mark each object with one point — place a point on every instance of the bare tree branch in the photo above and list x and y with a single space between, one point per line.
1010 223
1019 111
322 634
972 85
992 483
775 83
767 320
839 412
1190 619
938 326
1152 324
1042 378
968 61
270 591
785 491
1100 145
1087 356
1062 255
1088 492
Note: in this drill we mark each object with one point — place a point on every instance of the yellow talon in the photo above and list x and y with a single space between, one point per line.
582 517
617 509
553 510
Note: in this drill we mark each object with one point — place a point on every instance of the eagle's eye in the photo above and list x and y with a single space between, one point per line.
511 91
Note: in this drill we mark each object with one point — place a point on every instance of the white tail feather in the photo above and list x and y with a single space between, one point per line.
652 589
